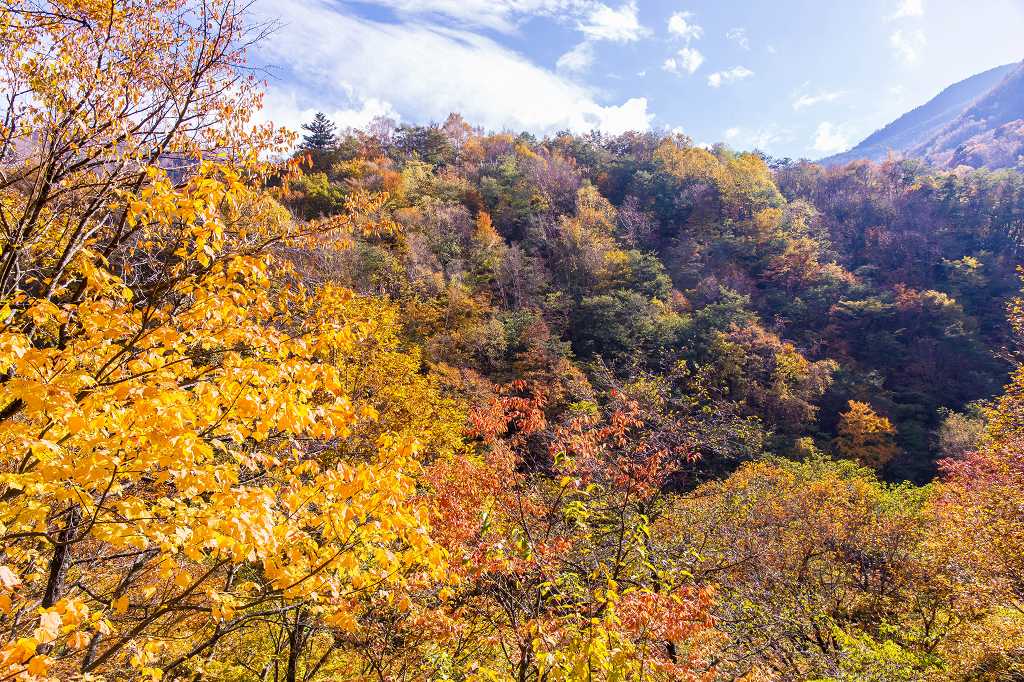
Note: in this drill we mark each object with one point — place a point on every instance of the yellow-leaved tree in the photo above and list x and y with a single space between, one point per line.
866 436
170 395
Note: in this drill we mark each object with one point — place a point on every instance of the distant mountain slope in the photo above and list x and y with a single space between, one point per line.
913 133
990 132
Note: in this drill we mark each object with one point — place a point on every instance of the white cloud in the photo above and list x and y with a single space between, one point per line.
765 138
631 115
830 139
806 100
285 108
908 8
617 25
578 58
736 73
594 18
908 45
739 36
500 15
358 61
686 60
680 26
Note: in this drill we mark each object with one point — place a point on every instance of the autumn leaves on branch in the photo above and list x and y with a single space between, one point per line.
165 400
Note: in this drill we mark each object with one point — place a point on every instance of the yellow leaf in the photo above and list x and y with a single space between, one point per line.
74 424
38 665
78 640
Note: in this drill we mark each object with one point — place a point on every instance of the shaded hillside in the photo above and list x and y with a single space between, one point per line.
922 124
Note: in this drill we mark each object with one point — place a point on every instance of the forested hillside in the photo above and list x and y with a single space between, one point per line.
755 300
433 403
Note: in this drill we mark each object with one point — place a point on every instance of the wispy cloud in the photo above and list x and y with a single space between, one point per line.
766 137
500 15
577 59
594 18
807 100
687 60
620 25
830 139
681 27
908 8
739 36
602 23
736 73
361 64
908 45
284 107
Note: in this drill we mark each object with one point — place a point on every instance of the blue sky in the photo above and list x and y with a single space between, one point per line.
800 78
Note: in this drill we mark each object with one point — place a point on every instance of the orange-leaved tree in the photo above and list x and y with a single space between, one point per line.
551 536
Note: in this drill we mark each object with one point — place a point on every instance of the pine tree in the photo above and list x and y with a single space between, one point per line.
320 135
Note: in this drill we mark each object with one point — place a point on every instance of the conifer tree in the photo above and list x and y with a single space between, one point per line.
320 134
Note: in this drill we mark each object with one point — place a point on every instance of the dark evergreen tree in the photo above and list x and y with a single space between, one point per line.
320 134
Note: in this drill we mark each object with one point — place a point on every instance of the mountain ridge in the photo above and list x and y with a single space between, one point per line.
971 122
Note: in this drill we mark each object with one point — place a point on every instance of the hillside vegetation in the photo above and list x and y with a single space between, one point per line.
778 294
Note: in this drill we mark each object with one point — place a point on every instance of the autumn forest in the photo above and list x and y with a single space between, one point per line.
433 402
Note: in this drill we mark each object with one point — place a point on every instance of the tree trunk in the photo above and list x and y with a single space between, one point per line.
295 636
61 558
